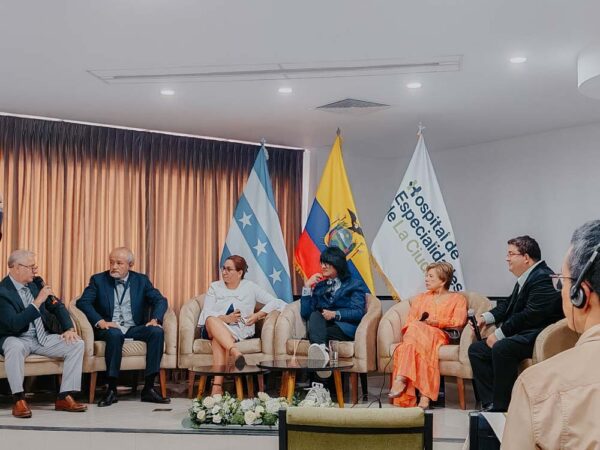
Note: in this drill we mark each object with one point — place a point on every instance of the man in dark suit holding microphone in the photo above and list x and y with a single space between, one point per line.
533 305
117 302
25 310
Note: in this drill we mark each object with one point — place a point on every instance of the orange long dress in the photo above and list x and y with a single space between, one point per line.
417 356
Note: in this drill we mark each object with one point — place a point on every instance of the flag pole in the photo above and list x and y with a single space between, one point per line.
421 129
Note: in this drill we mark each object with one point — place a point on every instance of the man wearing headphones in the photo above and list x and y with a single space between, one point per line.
555 404
533 305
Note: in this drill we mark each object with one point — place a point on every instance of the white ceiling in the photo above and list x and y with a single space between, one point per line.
47 47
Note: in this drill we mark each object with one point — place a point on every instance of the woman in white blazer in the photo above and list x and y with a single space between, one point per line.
228 314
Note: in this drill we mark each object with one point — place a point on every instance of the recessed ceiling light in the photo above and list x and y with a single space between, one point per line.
518 59
167 92
285 90
414 85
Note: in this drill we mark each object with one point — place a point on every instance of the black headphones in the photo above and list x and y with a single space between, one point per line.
577 294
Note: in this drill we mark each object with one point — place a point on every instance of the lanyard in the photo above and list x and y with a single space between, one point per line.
125 287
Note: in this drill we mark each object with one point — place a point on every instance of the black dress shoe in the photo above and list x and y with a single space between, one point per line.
109 398
489 407
150 395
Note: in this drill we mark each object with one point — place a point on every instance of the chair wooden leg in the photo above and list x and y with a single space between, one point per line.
201 385
291 385
93 379
354 388
261 382
191 379
284 384
162 375
250 383
460 384
337 378
239 388
364 384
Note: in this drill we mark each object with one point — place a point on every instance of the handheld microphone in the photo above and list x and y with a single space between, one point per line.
471 317
51 299
424 317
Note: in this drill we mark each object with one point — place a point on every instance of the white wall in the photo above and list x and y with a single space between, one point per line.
544 185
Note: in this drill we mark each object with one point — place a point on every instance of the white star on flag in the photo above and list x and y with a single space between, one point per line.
245 220
276 275
260 247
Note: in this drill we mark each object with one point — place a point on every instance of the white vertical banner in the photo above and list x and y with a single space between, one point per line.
416 231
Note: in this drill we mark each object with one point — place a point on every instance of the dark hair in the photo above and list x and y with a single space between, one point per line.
444 271
584 240
335 257
527 246
239 263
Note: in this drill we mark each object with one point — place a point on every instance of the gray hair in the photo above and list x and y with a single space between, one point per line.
19 255
584 239
130 257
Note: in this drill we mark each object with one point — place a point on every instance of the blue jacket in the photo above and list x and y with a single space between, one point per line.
98 299
349 300
15 318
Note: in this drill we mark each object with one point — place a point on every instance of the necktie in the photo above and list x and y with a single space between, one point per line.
40 331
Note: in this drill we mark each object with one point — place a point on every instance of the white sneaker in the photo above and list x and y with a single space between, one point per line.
319 355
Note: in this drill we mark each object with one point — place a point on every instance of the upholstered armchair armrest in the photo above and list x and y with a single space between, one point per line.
554 339
188 320
289 326
170 329
365 339
390 327
83 327
267 333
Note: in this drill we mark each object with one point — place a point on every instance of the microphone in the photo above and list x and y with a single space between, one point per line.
51 299
424 317
471 317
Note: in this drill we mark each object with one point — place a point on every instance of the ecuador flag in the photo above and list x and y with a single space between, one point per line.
333 221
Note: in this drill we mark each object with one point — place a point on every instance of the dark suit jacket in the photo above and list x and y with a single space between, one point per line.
15 318
98 299
529 311
349 300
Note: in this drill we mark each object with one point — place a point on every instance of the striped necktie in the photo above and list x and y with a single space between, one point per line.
40 331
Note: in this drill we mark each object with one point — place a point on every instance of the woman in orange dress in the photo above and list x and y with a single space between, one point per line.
416 363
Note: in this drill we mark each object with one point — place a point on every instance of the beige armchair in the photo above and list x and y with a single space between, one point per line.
454 359
290 334
554 339
198 352
134 352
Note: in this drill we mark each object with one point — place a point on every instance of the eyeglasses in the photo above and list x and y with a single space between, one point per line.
511 254
228 269
557 281
32 267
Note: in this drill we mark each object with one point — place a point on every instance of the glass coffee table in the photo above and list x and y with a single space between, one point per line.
230 370
290 368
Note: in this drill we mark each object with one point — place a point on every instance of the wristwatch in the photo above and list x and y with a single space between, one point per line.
338 316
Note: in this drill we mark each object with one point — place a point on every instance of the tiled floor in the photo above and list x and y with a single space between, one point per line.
134 425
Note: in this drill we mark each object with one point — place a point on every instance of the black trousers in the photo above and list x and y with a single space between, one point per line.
321 331
495 369
154 338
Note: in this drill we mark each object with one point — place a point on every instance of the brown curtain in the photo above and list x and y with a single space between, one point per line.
73 192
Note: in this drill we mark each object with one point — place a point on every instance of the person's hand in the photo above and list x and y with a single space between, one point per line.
42 296
70 336
154 323
104 325
313 280
253 318
491 340
328 315
234 317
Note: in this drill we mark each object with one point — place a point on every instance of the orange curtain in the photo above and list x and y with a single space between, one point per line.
73 192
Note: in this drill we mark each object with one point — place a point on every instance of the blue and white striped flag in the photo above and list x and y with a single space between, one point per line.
255 234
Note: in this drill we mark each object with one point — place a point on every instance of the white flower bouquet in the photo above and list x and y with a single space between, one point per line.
227 410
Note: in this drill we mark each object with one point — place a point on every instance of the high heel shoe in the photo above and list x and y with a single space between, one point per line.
424 403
